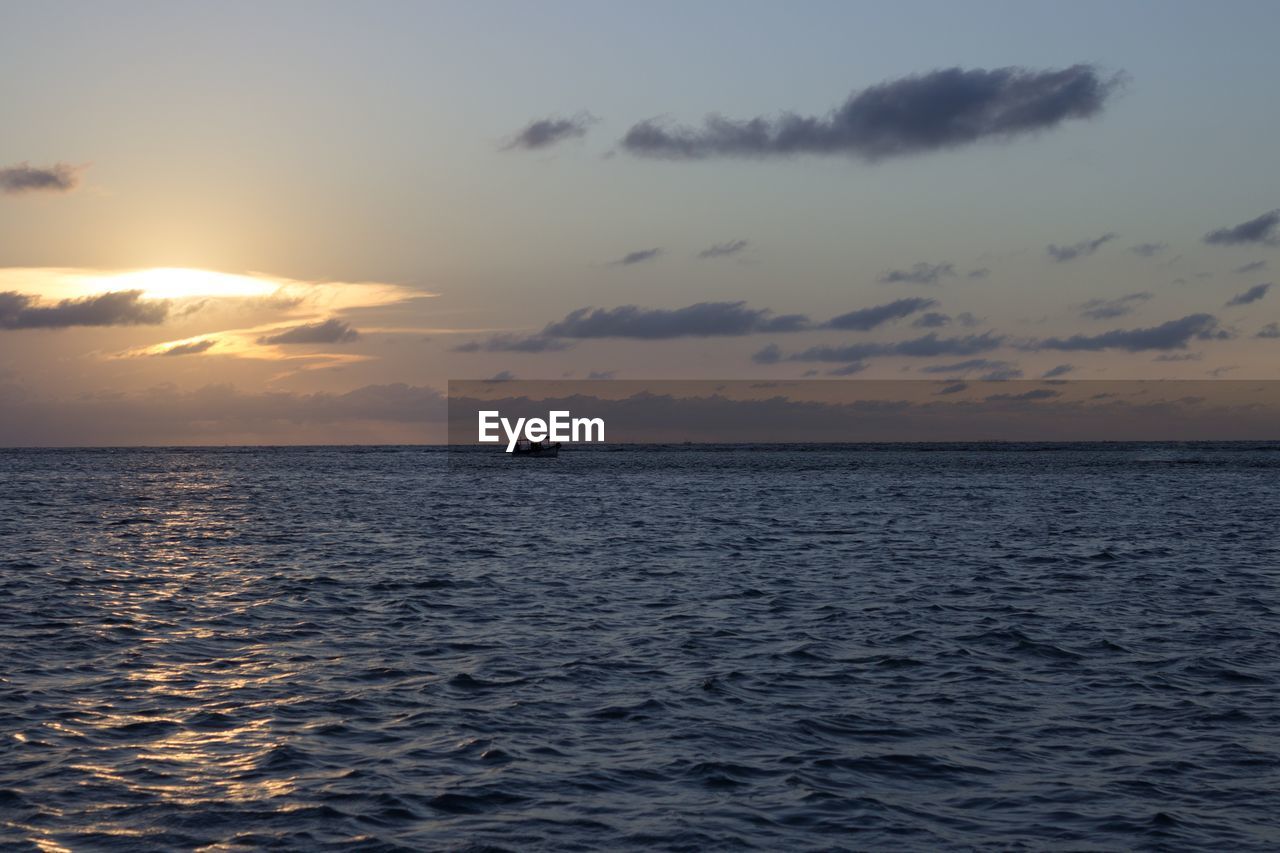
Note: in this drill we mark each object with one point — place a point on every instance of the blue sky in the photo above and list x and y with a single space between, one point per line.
362 145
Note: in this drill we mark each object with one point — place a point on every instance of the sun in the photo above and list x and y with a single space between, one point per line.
184 283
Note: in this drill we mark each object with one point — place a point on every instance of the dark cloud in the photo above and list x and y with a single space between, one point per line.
1025 396
1253 294
514 343
921 273
121 308
24 178
922 347
1148 250
705 319
953 388
1271 330
981 272
967 366
723 250
1102 309
637 257
1175 334
1260 230
332 331
192 348
865 319
501 376
942 109
1060 370
964 318
848 369
932 320
543 133
1084 248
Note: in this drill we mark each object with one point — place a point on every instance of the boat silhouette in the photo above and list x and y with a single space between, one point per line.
536 448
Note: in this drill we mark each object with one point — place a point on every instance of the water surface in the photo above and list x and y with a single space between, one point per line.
691 649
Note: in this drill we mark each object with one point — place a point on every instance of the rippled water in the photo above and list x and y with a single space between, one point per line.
695 649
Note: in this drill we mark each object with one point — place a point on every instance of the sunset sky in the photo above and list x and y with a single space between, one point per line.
295 222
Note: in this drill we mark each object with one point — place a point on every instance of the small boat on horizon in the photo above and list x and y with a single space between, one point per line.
542 449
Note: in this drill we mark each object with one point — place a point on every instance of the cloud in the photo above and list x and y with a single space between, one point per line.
953 388
602 374
848 369
1253 294
1084 248
941 109
921 273
922 347
543 133
981 272
501 376
723 250
331 331
24 178
514 343
705 319
1259 230
192 348
1271 330
1175 334
636 257
1148 250
1256 266
865 319
119 308
1060 370
968 366
932 320
1102 309
1025 396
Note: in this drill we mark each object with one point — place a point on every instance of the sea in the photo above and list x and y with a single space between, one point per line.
827 647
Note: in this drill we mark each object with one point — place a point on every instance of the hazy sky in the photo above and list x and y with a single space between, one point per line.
298 220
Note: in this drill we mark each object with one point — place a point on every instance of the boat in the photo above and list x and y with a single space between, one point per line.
542 449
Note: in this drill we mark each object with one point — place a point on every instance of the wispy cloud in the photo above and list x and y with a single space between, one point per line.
637 257
25 178
929 345
723 250
1271 330
1148 250
1060 370
546 132
1245 269
193 348
122 308
941 109
921 273
332 331
1261 229
705 319
1102 309
1253 294
866 319
1175 334
1062 254
514 343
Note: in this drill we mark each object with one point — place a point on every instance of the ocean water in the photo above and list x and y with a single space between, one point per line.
932 648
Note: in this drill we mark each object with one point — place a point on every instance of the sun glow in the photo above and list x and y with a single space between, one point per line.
185 283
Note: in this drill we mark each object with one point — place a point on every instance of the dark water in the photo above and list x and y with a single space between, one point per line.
1070 648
